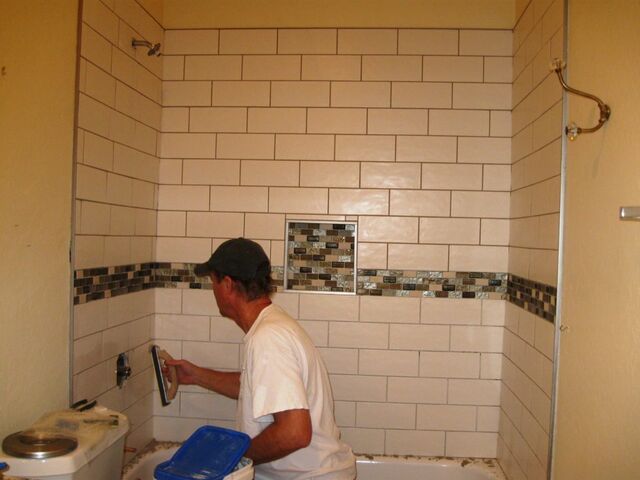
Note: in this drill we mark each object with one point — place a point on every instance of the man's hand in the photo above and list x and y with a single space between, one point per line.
225 383
186 371
290 431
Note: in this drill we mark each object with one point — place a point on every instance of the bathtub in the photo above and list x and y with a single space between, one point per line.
369 467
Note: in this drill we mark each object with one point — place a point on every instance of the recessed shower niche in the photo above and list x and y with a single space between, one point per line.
320 257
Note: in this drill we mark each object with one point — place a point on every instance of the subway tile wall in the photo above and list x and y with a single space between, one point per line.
416 376
117 172
525 431
408 133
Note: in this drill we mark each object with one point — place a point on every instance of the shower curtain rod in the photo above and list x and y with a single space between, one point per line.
573 130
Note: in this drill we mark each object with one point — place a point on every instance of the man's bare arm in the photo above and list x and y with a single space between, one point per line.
290 431
225 383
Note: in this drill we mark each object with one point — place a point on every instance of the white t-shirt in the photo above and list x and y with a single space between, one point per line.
282 370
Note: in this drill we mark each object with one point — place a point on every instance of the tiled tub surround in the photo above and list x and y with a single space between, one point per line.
117 172
410 375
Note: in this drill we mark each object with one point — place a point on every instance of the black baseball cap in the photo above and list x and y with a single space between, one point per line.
238 258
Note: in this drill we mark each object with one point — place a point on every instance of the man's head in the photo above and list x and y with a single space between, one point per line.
245 262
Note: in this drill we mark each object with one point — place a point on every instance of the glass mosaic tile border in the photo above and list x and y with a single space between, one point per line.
321 257
538 298
535 297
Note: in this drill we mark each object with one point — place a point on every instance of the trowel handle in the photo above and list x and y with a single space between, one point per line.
173 374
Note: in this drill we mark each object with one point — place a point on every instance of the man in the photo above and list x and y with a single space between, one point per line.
284 397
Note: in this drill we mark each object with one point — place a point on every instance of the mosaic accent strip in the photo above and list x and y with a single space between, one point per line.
320 257
535 297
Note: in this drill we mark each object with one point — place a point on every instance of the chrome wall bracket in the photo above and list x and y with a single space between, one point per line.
572 131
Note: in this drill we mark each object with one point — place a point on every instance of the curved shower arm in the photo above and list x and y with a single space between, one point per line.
605 111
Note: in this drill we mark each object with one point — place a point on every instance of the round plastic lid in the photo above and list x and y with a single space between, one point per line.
38 445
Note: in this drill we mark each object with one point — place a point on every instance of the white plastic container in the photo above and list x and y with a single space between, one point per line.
99 433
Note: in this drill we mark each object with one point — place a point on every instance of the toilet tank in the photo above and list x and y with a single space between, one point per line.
99 434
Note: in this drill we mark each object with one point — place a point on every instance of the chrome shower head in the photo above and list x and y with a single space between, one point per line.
154 50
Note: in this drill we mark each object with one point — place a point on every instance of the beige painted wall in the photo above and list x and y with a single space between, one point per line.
598 430
38 57
339 13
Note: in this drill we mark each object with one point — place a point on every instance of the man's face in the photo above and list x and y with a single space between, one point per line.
219 294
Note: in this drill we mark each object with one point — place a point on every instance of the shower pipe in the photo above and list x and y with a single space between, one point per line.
154 50
573 130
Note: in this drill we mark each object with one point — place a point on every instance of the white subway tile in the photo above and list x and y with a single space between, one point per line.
173 68
385 415
372 148
427 41
212 67
193 250
390 310
360 94
340 360
449 365
300 94
451 176
496 177
271 67
179 197
426 149
419 257
419 337
187 145
173 429
191 93
390 175
480 204
89 251
500 123
367 41
421 95
359 387
392 67
388 229
97 151
264 225
491 365
87 352
398 121
219 355
99 85
419 203
417 390
94 116
365 439
459 122
225 330
245 146
95 48
358 335
298 200
89 318
122 221
474 392
486 42
94 219
119 189
495 96
175 120
345 413
167 300
277 120
478 259
450 311
331 67
248 41
386 362
471 444
493 312
211 172
329 307
452 69
307 40
239 199
330 174
449 230
208 224
372 255
476 339
218 119
181 327
446 417
337 120
240 94
317 331
192 42
269 173
304 147
414 442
